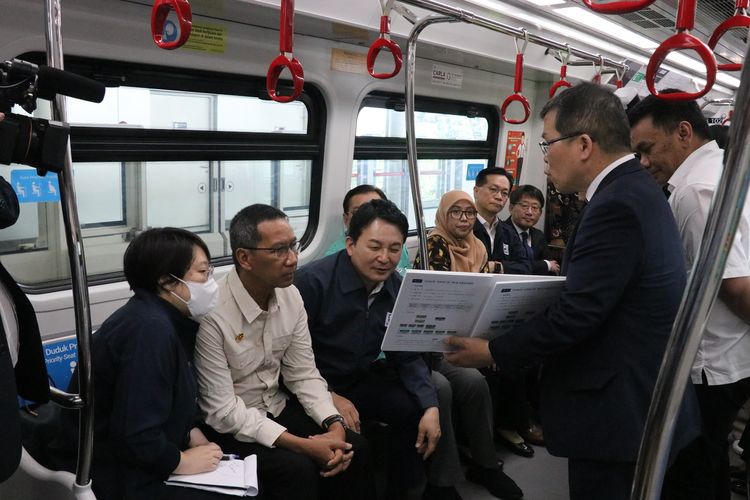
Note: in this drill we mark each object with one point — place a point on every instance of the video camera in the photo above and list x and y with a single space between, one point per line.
33 141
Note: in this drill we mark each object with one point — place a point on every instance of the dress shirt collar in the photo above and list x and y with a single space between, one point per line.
520 230
487 225
349 280
694 159
247 305
599 178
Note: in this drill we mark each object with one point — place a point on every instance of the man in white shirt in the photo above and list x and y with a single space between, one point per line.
673 140
256 335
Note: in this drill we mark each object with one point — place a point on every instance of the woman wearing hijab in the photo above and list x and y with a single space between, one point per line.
452 246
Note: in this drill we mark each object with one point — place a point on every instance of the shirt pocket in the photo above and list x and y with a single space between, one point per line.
241 354
280 344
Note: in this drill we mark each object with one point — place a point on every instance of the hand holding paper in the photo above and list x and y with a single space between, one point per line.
468 352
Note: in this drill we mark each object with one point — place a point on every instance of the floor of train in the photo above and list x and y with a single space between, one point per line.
542 477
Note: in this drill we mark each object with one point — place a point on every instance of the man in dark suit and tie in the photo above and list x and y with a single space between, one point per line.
603 340
526 204
491 191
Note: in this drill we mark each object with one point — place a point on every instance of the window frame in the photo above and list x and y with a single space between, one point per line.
124 145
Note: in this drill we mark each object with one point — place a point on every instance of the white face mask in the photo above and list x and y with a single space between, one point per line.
203 296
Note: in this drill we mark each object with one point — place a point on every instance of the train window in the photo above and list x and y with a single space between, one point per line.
173 109
454 141
168 147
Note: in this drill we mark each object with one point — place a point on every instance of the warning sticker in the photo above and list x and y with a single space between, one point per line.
207 38
447 77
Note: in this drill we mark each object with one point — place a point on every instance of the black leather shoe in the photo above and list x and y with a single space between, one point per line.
496 481
440 493
521 449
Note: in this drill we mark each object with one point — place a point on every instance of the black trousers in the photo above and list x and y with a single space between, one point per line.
701 470
595 480
286 475
509 399
381 396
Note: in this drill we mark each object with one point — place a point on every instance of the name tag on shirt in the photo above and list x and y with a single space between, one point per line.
506 249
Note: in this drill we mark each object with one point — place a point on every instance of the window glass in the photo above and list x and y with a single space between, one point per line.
436 178
174 110
100 193
178 194
24 234
284 184
382 122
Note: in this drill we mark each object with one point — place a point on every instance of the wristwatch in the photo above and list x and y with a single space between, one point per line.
329 421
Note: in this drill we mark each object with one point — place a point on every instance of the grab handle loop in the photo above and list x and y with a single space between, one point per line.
562 82
622 7
384 42
518 86
740 19
619 72
682 40
286 58
598 71
159 14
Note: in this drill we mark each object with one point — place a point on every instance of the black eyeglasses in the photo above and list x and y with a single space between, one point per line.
544 145
281 251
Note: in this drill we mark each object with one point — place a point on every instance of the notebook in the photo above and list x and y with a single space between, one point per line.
231 477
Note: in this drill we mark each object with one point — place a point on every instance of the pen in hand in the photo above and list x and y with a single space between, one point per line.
230 456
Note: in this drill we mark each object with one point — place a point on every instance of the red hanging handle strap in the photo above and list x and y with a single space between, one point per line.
516 96
618 74
597 78
286 58
159 13
384 42
622 7
682 41
740 19
562 83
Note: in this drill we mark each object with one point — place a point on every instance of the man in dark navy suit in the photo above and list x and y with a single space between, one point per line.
491 190
603 340
526 204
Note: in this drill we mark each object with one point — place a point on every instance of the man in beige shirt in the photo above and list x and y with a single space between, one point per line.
257 334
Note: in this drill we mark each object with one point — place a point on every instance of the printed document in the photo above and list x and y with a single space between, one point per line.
432 305
231 477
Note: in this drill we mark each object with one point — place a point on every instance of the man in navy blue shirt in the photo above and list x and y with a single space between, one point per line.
348 296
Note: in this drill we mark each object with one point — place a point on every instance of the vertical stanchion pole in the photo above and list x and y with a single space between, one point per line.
53 18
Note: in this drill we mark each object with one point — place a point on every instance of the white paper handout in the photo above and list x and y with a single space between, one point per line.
434 304
231 477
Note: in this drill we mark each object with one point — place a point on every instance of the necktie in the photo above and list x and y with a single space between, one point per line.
527 247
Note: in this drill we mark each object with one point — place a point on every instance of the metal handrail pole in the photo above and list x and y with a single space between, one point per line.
485 22
53 18
411 136
702 287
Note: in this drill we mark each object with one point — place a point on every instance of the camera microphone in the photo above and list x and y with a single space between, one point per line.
51 81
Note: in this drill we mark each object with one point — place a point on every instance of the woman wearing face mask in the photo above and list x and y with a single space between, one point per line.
144 382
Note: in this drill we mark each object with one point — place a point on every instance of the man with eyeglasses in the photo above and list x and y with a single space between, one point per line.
491 190
526 204
603 339
256 335
675 147
353 199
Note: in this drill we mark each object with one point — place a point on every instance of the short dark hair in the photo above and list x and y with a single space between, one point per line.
526 190
481 178
361 189
243 230
667 115
156 256
377 209
594 110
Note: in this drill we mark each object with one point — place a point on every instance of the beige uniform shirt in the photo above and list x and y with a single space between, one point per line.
240 352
